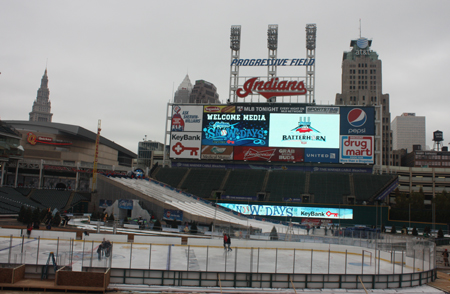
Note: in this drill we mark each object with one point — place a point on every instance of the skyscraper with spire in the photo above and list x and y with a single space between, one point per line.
184 91
362 85
42 105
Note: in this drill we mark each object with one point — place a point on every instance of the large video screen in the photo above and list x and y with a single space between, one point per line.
304 130
278 132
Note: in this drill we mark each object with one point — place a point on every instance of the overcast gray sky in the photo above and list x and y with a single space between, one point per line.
119 61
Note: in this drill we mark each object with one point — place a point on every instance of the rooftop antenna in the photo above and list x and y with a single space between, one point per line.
359 28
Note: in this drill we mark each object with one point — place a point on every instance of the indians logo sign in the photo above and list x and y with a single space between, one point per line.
271 88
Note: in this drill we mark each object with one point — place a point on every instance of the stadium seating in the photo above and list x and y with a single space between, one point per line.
13 200
285 184
244 182
51 198
170 176
367 185
329 187
201 182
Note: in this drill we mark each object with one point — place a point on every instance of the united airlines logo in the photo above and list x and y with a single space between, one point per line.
304 132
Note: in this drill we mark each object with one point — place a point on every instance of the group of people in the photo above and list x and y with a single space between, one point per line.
104 249
227 242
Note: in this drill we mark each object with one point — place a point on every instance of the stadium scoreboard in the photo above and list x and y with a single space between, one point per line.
273 133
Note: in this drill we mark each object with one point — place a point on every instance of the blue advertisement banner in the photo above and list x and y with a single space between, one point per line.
327 169
125 203
104 203
171 214
321 155
357 120
235 129
290 211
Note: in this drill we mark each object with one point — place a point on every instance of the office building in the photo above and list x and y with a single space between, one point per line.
362 85
204 92
408 130
42 105
184 91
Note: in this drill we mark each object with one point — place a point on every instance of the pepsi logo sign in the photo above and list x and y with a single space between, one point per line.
357 117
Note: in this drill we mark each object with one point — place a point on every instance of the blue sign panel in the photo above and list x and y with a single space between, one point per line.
126 203
322 155
171 214
357 120
233 129
104 203
290 211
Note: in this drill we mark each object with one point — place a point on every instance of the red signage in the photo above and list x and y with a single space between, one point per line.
271 88
268 154
33 140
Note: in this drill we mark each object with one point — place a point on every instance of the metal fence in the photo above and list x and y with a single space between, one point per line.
311 254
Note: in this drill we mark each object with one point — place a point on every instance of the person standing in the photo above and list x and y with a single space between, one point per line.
99 251
229 242
225 241
29 229
445 255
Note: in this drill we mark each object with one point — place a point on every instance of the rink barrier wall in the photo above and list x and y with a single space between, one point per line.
268 280
9 232
157 240
110 237
53 234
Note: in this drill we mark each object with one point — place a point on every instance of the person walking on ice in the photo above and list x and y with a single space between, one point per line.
225 241
229 242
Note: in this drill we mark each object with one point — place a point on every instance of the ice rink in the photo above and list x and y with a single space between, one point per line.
78 253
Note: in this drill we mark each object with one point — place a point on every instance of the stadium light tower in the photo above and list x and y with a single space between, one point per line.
235 46
310 54
272 45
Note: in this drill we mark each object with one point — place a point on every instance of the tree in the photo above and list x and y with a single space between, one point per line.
393 230
157 225
21 215
194 228
28 216
36 217
273 234
56 220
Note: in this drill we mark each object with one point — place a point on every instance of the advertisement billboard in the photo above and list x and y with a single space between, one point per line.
268 154
304 130
357 120
321 155
217 152
185 145
357 149
186 118
235 129
290 211
170 214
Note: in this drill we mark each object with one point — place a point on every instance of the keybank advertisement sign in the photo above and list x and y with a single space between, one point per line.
304 130
290 211
357 121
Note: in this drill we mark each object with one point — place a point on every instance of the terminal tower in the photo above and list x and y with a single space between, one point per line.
362 85
42 105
